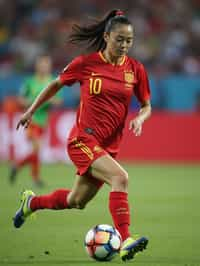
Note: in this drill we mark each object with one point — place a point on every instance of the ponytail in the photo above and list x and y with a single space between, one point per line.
92 35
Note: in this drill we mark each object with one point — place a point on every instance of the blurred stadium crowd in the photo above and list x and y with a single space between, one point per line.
167 37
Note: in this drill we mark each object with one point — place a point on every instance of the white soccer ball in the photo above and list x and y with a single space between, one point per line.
103 242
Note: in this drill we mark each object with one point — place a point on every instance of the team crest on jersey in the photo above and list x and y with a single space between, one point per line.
129 76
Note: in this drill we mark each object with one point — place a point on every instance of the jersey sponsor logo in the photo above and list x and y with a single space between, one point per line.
129 76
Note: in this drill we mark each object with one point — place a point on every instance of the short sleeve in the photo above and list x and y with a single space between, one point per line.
72 72
142 90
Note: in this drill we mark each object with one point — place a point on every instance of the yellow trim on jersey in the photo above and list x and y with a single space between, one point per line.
84 148
123 60
104 59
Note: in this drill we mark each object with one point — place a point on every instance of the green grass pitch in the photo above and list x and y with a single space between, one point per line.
164 201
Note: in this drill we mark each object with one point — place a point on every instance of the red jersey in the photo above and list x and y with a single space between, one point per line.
106 91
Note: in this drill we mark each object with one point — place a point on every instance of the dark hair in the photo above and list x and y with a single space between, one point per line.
92 35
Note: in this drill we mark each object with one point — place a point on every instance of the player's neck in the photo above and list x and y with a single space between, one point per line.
112 59
41 76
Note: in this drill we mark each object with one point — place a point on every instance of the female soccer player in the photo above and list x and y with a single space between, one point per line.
108 78
32 86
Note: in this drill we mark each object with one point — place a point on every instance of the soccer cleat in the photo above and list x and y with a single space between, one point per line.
132 246
24 210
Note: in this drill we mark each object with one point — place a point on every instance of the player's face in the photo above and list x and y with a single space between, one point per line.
44 65
119 40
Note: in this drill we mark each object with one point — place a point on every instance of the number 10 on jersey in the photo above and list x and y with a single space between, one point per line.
95 85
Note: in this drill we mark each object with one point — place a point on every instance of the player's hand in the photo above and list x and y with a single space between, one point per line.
24 120
136 126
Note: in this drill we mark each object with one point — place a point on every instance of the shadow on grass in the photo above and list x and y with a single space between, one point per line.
84 262
54 262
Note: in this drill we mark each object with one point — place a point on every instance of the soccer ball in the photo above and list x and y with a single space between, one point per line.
103 242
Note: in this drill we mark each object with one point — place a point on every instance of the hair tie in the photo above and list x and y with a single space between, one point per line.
119 13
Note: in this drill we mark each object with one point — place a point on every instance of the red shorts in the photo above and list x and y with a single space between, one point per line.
83 150
34 131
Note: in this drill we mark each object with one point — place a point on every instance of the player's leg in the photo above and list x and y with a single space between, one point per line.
32 158
109 170
84 190
35 161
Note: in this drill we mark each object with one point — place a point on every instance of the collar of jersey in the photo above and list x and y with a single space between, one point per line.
104 59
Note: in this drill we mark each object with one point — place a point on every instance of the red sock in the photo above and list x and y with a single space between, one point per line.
119 209
33 160
57 200
35 166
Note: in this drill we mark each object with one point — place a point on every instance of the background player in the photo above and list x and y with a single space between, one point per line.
30 89
108 79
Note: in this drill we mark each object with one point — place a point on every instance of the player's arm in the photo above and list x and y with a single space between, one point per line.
70 75
57 100
43 97
137 122
145 111
142 93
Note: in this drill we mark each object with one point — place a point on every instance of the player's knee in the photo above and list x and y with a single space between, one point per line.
120 180
123 178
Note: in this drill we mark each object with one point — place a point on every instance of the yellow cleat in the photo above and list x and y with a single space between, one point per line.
131 246
24 210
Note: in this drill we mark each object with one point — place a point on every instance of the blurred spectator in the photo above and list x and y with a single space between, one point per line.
31 88
167 34
31 27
